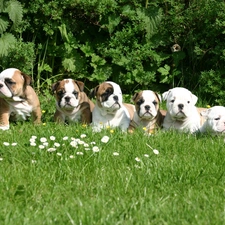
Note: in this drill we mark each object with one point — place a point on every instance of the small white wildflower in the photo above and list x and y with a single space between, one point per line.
1 159
115 153
43 139
56 144
6 143
59 154
33 144
92 143
155 151
32 140
87 149
95 149
80 153
65 138
73 143
14 144
45 143
137 159
80 142
71 156
33 137
146 155
72 138
83 135
33 161
52 138
105 139
137 166
51 150
41 146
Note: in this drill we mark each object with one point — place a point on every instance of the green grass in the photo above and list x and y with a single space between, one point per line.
183 184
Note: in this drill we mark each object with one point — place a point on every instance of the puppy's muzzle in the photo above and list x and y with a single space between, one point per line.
67 99
147 108
180 106
116 98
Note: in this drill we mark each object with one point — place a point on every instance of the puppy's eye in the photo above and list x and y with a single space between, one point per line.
188 102
9 81
172 101
141 101
75 93
154 102
60 93
218 118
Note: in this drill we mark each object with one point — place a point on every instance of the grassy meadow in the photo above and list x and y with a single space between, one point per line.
66 174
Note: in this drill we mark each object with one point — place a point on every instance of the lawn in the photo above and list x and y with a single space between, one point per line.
66 174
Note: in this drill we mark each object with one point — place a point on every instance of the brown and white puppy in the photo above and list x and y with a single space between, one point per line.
109 108
72 104
18 99
147 111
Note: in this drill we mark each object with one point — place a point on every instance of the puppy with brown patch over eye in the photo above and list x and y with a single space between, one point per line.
72 104
147 111
109 108
18 100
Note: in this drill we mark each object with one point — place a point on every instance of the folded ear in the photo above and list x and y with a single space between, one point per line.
194 98
80 84
93 92
158 96
54 86
135 96
205 113
165 95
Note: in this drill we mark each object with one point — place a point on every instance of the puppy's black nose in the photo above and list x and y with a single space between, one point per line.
116 98
181 106
67 99
147 107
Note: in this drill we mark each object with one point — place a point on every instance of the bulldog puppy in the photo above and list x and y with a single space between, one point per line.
181 113
72 104
18 100
147 113
215 120
109 108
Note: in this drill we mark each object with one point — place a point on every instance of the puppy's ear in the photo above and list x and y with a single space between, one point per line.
55 86
93 92
80 84
165 95
205 113
194 98
158 96
26 78
135 96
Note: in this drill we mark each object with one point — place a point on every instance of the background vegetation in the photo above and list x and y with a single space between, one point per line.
125 41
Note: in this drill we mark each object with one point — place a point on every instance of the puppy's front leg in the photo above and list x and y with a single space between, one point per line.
4 115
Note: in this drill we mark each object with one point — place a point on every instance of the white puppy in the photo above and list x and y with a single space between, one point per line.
109 109
215 120
181 113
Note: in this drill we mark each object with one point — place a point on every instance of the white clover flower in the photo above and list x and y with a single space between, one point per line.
41 146
45 143
33 144
56 144
105 139
83 135
73 143
86 145
43 139
71 156
87 149
65 138
51 149
95 149
137 159
52 138
92 143
80 153
14 144
6 143
33 161
59 154
115 153
1 159
146 155
155 151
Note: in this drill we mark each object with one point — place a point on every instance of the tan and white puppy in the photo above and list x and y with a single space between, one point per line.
215 120
109 108
18 100
181 113
72 104
147 111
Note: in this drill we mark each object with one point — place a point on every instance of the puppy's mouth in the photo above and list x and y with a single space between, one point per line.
180 116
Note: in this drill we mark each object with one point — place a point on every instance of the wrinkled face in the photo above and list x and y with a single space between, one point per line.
179 102
67 94
215 119
147 104
109 96
12 83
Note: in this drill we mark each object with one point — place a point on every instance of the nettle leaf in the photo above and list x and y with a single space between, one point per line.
15 11
164 70
7 40
3 25
69 65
